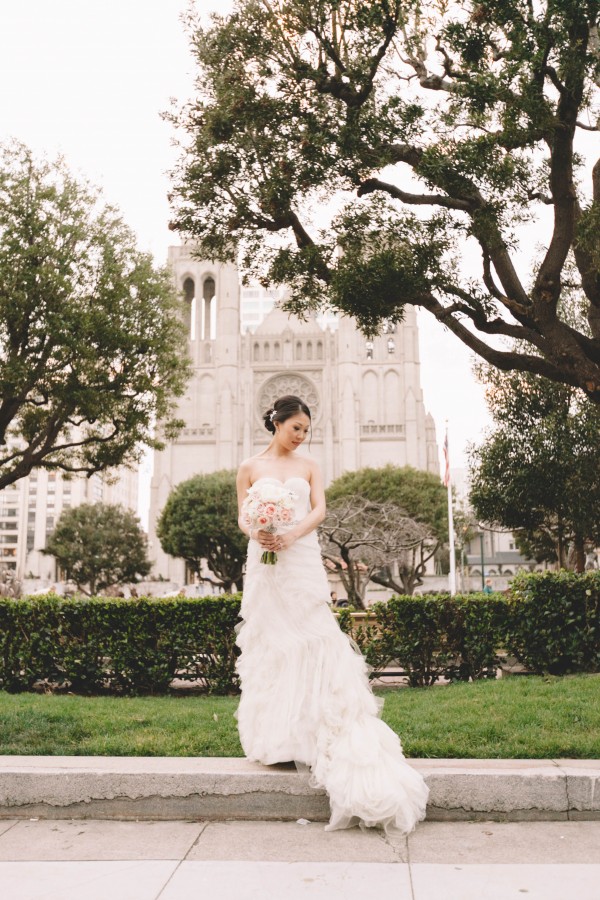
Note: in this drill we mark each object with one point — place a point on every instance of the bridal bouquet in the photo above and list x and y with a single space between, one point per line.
269 507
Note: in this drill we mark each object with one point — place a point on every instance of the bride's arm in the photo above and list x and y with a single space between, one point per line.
243 482
316 514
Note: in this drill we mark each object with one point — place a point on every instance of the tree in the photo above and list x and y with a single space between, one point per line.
538 471
199 521
90 331
416 495
439 129
99 545
360 537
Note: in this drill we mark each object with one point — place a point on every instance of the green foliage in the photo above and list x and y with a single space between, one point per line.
432 637
511 718
554 622
101 645
550 622
420 494
199 521
99 545
538 471
90 332
414 637
318 127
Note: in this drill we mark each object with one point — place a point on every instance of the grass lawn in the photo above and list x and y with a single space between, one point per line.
512 718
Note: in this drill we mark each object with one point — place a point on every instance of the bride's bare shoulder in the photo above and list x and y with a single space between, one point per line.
248 466
314 470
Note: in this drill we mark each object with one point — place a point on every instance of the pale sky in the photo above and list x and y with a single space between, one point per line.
89 78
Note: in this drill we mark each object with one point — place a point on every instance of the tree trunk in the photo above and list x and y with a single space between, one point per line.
579 553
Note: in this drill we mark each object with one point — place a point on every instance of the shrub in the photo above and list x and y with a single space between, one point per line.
553 622
474 625
103 644
549 621
434 636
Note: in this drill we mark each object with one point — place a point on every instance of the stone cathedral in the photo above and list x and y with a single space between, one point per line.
365 395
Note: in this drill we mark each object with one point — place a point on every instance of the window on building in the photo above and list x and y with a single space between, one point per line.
208 292
189 305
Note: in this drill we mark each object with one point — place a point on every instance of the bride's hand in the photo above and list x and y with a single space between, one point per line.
285 541
267 540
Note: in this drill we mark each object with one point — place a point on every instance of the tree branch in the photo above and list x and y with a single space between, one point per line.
374 184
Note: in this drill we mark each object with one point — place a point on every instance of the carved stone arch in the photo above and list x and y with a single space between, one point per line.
209 289
288 383
391 397
370 397
188 289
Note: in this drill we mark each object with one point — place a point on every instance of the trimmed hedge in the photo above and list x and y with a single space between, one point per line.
553 622
433 636
107 645
549 621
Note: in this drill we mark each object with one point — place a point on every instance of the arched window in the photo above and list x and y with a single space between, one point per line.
266 352
256 353
189 306
298 350
309 350
208 292
319 349
277 351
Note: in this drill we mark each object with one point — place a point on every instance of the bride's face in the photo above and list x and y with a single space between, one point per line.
293 431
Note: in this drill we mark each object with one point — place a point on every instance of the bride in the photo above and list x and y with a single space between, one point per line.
305 690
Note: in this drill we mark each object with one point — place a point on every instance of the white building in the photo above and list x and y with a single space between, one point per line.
30 508
365 396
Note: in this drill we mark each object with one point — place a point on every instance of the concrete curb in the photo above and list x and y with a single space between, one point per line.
169 788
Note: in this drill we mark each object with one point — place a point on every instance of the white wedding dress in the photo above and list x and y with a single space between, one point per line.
306 695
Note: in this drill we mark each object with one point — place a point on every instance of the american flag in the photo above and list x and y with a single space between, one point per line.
447 461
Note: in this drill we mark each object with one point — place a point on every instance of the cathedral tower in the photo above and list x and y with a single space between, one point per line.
365 395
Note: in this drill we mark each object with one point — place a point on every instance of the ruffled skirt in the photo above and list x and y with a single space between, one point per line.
306 696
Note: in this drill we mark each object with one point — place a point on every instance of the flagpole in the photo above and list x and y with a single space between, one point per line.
448 483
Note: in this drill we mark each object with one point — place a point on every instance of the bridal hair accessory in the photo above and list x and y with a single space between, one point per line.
272 414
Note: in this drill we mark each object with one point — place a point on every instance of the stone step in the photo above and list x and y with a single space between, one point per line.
171 788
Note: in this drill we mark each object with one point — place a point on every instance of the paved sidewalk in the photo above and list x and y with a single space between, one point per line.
71 859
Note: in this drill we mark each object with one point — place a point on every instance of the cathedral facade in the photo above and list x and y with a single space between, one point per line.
364 395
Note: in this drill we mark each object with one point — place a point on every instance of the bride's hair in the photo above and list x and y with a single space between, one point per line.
284 408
